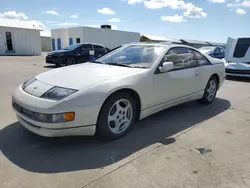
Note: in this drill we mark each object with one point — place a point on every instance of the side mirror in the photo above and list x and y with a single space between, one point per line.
166 66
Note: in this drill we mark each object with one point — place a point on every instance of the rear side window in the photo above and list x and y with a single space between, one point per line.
183 58
202 60
99 48
86 47
241 47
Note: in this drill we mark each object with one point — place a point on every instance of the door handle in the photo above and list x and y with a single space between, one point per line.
197 74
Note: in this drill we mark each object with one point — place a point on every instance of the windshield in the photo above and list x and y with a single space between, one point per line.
207 48
139 56
71 47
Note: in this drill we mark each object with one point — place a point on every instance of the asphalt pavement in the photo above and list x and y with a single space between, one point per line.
190 145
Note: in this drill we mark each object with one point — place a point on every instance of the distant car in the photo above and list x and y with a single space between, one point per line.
213 51
237 69
76 53
237 60
107 96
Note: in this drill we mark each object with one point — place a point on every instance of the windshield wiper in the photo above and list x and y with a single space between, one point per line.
119 64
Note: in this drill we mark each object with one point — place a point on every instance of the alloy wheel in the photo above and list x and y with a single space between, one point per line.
120 116
211 90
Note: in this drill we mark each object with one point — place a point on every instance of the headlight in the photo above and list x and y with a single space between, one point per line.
28 82
58 93
54 118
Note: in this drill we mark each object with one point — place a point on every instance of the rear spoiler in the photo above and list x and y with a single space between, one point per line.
238 50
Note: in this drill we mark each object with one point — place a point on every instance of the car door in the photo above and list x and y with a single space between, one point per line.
84 52
181 81
203 71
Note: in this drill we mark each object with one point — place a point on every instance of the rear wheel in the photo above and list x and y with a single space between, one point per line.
70 61
117 116
210 91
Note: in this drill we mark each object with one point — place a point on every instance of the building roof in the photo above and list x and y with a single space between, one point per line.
13 23
193 41
216 44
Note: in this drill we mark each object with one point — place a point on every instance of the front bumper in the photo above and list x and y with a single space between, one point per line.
58 60
84 123
239 73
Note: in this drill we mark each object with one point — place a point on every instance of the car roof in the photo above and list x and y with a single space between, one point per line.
165 44
91 43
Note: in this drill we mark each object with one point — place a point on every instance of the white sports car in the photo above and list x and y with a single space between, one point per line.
108 95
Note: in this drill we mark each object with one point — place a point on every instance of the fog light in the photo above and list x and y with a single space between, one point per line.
69 116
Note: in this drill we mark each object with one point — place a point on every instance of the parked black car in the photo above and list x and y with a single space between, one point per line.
76 53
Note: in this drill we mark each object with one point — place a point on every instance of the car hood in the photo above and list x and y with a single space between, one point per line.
238 66
84 75
58 52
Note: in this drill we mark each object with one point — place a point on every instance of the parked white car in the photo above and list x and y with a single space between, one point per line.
108 96
237 60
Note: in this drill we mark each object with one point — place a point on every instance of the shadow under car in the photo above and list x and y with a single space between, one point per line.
56 155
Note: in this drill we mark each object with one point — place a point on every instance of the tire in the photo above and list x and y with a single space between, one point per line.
117 116
70 61
210 91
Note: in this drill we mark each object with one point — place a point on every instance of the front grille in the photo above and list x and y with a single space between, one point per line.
23 111
232 71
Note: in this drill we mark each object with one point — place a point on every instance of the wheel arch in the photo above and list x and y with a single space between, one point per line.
130 91
217 79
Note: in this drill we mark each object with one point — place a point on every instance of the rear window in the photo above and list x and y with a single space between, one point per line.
241 47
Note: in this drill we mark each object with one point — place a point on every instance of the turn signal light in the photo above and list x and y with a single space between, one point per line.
69 116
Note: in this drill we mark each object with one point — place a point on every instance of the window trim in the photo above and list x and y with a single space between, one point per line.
162 61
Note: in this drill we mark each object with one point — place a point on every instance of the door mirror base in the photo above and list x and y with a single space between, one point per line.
166 66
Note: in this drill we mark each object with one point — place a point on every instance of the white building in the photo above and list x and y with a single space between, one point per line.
105 36
18 37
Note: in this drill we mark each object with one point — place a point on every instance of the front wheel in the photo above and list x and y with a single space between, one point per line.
117 116
210 91
70 61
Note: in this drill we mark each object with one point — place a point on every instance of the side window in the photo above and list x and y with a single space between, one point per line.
99 49
183 58
86 47
217 51
202 60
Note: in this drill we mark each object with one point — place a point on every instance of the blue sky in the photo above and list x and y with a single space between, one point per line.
207 20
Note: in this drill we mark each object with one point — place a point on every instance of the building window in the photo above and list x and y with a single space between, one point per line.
78 40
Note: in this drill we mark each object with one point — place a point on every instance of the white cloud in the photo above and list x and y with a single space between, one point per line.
67 24
190 9
114 20
195 12
239 3
50 21
131 2
176 18
246 3
74 16
106 11
14 15
240 11
53 12
217 1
